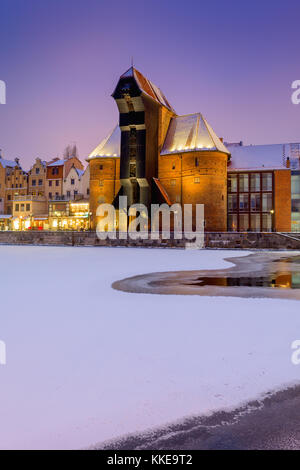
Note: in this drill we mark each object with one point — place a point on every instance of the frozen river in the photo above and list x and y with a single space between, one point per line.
86 363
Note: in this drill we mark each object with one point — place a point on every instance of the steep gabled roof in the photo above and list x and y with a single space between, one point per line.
108 147
191 133
147 87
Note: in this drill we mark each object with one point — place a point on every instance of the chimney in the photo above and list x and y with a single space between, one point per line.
17 160
288 163
221 139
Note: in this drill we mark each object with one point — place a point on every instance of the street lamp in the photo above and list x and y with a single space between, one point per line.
272 215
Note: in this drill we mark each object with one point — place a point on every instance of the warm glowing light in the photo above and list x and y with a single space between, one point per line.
54 223
16 224
27 223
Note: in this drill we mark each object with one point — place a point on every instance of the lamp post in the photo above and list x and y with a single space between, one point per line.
272 215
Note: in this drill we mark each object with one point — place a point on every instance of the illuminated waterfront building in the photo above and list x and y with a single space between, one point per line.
155 156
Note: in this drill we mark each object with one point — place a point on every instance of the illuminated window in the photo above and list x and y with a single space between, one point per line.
173 182
196 180
243 183
255 203
232 183
267 202
267 223
232 202
255 181
255 223
232 222
244 205
267 182
244 222
101 183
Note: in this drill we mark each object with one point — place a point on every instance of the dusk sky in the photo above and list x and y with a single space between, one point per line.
234 61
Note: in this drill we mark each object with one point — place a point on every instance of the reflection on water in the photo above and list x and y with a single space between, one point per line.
281 276
261 274
287 281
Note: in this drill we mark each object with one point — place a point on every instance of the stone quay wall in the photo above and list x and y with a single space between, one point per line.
229 240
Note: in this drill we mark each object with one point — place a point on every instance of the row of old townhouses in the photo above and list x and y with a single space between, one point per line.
52 195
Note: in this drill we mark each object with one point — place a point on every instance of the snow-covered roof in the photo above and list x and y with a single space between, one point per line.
57 163
7 163
191 133
108 147
146 86
273 156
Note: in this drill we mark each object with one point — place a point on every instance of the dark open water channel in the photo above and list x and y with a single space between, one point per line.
260 274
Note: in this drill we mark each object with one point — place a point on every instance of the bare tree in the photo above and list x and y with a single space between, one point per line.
71 151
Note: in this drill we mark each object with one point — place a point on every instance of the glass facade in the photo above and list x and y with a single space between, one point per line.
250 201
295 201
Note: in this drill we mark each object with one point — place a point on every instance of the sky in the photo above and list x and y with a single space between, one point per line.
232 61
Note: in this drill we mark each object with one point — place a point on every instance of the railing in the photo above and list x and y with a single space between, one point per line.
29 197
66 198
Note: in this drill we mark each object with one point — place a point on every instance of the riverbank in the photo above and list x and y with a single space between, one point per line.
215 240
268 423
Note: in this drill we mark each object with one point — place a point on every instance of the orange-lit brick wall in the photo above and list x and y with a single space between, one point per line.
201 181
104 183
282 200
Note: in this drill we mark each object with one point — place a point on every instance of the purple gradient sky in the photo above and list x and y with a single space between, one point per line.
234 61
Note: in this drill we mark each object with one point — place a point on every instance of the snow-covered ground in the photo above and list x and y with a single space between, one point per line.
86 363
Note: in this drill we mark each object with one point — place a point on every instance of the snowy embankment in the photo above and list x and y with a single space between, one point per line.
86 363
